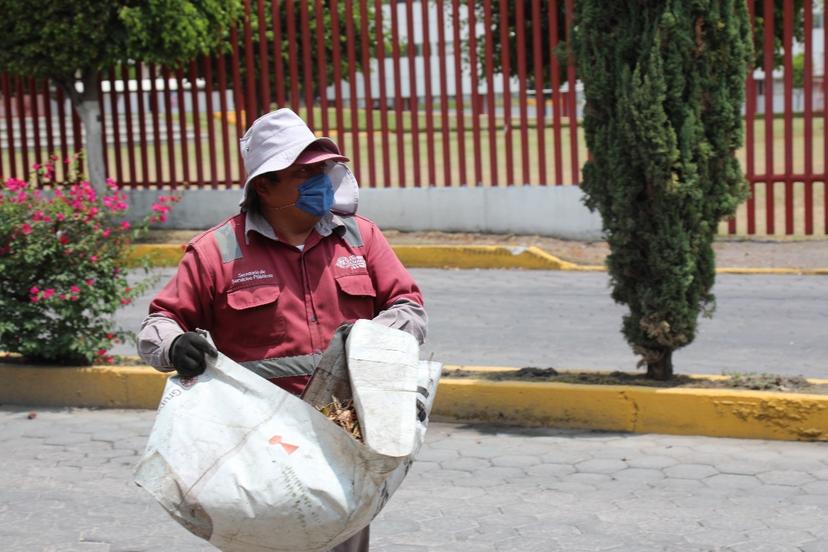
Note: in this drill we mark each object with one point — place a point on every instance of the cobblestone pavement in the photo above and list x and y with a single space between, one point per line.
67 486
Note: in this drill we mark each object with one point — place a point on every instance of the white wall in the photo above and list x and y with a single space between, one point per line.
543 210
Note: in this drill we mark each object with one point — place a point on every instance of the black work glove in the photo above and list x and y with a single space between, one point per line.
188 354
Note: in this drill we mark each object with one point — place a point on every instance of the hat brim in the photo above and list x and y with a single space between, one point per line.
288 157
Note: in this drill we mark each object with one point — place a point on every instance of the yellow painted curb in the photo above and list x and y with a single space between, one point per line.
155 254
92 386
460 256
711 412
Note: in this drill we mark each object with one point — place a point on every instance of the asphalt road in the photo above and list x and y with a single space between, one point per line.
566 320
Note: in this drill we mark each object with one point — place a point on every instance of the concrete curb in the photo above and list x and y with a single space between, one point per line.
459 256
679 411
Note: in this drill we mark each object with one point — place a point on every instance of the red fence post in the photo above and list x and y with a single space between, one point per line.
505 68
475 96
366 84
444 121
458 93
808 28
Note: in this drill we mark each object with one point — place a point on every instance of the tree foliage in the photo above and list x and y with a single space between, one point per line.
664 86
498 20
71 40
334 30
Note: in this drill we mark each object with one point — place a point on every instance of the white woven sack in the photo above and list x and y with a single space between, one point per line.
250 467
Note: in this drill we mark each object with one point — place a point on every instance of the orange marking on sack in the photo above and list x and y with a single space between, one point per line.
277 440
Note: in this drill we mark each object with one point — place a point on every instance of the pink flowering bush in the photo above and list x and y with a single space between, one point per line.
63 250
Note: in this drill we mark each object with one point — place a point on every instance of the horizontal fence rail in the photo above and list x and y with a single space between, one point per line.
438 93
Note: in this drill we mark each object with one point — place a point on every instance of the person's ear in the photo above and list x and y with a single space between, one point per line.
260 185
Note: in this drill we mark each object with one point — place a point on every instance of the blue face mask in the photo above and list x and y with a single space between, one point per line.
316 195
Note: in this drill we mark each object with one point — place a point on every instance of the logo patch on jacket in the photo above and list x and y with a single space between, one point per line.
352 261
250 276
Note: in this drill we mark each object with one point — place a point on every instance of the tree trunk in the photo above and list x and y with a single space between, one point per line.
88 108
662 369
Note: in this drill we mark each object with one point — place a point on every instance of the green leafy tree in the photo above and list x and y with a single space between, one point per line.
69 41
334 30
498 20
664 86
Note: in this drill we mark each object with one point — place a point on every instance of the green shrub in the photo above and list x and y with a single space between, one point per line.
62 256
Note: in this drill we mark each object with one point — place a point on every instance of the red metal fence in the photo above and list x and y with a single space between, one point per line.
439 93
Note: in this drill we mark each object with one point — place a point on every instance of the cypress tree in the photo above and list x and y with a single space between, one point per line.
664 86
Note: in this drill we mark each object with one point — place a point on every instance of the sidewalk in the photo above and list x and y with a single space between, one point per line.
67 487
736 253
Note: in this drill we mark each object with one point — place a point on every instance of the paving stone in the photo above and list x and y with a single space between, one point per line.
690 471
816 487
544 506
639 475
731 481
515 461
817 545
600 466
465 464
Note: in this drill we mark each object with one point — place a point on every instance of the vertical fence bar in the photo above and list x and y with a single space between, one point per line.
475 96
116 127
102 108
47 114
225 132
238 99
278 65
264 77
352 90
540 98
306 58
768 84
250 67
444 127
64 140
183 142
412 88
77 132
573 95
294 69
520 20
24 140
142 126
337 74
128 122
168 121
458 93
808 83
33 101
155 104
380 50
398 126
366 83
787 20
7 106
554 75
429 100
197 123
322 69
825 115
182 127
490 95
207 67
507 90
750 120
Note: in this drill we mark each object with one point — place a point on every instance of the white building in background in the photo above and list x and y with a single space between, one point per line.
419 87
